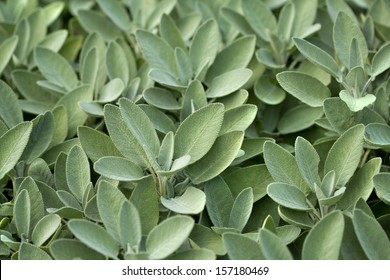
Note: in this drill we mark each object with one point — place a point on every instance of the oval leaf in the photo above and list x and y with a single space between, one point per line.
192 201
118 168
228 82
288 196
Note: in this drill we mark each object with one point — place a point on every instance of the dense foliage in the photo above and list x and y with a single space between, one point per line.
194 129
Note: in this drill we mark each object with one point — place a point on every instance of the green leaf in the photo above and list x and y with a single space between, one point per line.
10 112
219 201
171 33
7 49
12 144
69 249
318 57
288 196
145 198
272 246
45 228
378 134
116 12
240 247
237 55
218 158
304 87
30 252
259 17
109 202
157 52
371 236
268 92
206 238
344 156
117 67
356 104
76 116
129 223
167 237
95 22
296 217
197 142
192 201
95 237
118 168
283 166
252 147
324 240
77 172
308 161
380 61
228 82
162 99
241 209
360 185
299 118
239 118
344 31
161 8
205 45
96 144
381 182
22 214
165 154
350 246
89 67
161 121
194 97
60 125
62 74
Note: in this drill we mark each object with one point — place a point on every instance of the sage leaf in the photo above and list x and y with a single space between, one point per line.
299 118
22 214
118 168
380 61
357 104
344 156
241 209
240 247
272 246
69 249
167 237
228 82
288 196
30 252
162 99
378 134
7 48
268 92
13 143
239 118
198 132
10 111
308 161
95 22
206 238
116 13
117 67
45 228
94 236
77 172
372 237
381 186
192 201
129 223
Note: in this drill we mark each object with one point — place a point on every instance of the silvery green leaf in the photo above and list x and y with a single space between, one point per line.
177 165
90 66
218 158
116 12
194 96
299 118
13 143
328 183
69 249
335 6
269 92
241 209
306 12
238 119
55 40
197 142
7 49
77 172
162 99
30 252
69 200
286 21
318 57
109 202
237 55
219 201
251 147
171 33
330 201
118 168
361 184
165 155
192 201
344 156
157 52
240 247
355 55
342 43
356 104
95 237
161 121
10 111
266 57
52 11
272 246
259 17
288 196
304 87
324 240
381 182
161 8
288 233
206 238
380 61
50 156
22 214
62 74
228 82
205 45
96 144
95 22
372 237
129 223
168 236
163 77
283 166
45 228
117 66
308 161
92 108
